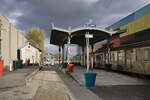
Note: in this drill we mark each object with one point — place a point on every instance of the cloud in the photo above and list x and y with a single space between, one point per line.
13 16
26 14
88 3
16 14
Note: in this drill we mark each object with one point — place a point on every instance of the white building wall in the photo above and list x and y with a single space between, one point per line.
24 40
5 42
13 43
20 40
30 53
12 39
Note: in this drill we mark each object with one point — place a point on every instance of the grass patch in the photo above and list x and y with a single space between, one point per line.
60 72
6 69
66 74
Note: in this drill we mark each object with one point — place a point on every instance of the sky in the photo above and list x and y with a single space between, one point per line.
26 14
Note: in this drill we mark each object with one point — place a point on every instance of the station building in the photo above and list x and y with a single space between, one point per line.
29 52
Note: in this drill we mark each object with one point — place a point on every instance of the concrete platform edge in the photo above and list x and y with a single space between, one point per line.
29 77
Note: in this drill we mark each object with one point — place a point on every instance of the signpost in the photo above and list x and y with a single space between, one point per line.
68 46
88 36
90 25
90 77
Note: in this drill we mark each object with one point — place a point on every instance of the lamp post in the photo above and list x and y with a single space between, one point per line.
68 46
87 36
90 77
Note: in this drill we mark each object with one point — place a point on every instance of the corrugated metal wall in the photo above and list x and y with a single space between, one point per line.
133 23
142 12
132 17
126 20
136 26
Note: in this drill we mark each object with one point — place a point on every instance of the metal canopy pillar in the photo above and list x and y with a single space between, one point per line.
88 36
63 53
82 56
92 58
68 45
87 54
59 54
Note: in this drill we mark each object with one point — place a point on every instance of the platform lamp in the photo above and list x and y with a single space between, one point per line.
69 45
88 36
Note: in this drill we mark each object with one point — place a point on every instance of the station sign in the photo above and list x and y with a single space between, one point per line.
90 25
88 35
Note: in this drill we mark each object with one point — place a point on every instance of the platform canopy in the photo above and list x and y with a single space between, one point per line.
59 36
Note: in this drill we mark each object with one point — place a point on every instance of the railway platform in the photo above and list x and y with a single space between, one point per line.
115 86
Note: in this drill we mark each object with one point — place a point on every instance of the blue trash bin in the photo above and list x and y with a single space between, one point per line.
64 65
19 64
90 79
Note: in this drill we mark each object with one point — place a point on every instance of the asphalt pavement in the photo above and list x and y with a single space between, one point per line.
12 84
122 92
53 83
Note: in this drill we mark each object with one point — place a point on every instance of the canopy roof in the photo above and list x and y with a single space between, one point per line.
59 36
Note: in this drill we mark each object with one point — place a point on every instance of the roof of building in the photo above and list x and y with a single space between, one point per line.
29 43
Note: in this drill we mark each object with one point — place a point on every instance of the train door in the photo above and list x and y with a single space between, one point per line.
100 59
97 60
143 60
121 60
114 58
145 68
130 59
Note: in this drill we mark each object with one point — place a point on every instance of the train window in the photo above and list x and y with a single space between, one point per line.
147 54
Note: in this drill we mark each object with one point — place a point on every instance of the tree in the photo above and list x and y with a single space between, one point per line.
37 37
